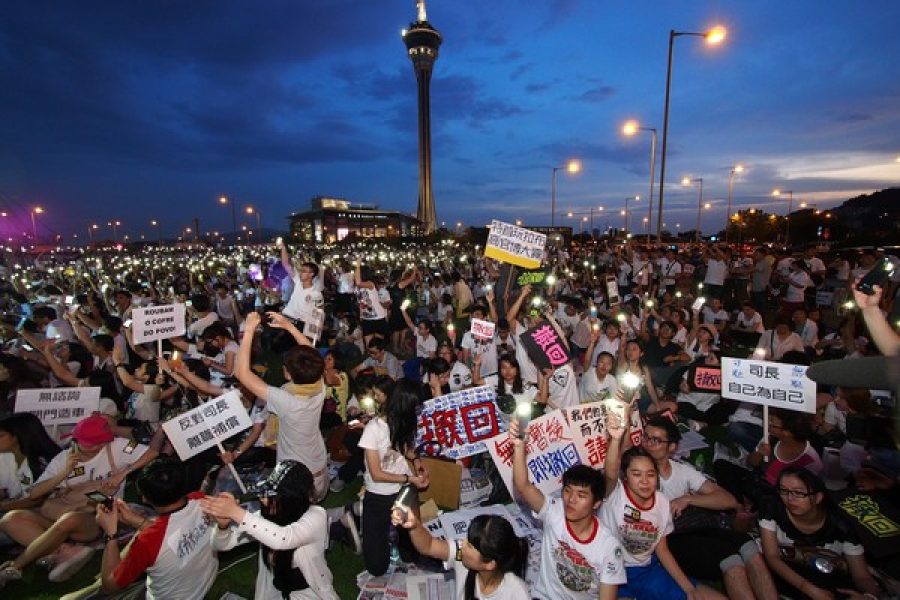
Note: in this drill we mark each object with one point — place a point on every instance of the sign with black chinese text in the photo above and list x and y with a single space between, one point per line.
769 384
58 406
207 425
515 245
457 424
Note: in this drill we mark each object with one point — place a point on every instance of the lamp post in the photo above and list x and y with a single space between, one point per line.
252 211
155 223
91 229
224 200
599 209
714 36
734 171
115 225
35 211
632 128
572 167
787 226
688 181
626 213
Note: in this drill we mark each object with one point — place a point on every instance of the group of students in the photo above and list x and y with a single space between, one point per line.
610 533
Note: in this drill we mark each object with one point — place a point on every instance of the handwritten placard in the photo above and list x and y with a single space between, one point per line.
58 406
158 323
482 330
203 427
705 379
515 245
769 384
458 424
313 325
545 346
550 451
587 423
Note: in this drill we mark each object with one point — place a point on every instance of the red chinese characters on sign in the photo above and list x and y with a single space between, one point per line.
459 422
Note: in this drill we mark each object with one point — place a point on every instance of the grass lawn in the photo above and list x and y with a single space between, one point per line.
237 568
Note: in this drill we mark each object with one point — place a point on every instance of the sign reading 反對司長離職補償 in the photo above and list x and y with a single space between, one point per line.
157 323
203 427
768 383
515 245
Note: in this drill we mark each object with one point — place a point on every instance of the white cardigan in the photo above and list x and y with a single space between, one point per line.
308 536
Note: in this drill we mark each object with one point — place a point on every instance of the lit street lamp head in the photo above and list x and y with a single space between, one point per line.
630 127
574 166
716 35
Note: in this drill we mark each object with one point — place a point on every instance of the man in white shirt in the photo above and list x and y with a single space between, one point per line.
748 319
716 272
806 328
307 293
797 282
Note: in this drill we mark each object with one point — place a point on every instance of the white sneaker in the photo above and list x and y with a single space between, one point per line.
69 562
349 522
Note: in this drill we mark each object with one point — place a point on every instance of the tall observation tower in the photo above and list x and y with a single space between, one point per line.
422 43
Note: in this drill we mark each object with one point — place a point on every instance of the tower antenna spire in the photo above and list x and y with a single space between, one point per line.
420 9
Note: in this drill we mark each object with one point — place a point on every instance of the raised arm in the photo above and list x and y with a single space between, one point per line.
422 540
532 496
242 367
286 260
513 311
279 321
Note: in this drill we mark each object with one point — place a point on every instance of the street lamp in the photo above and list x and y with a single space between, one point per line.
787 229
35 211
223 201
734 171
687 181
713 37
571 167
91 229
631 128
114 225
626 213
252 211
599 209
155 223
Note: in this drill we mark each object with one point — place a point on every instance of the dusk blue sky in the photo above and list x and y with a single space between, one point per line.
140 110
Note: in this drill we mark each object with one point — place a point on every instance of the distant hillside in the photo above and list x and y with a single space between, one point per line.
871 218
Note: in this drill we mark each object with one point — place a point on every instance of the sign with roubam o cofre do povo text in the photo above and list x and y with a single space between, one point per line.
158 322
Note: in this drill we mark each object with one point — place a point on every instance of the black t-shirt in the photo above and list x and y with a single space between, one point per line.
654 353
836 534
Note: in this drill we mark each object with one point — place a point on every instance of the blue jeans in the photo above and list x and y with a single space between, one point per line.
746 435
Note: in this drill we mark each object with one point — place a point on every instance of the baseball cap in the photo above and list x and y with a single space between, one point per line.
92 431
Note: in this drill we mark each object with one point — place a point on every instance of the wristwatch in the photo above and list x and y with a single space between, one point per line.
107 538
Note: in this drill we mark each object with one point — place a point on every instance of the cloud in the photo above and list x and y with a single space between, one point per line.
597 94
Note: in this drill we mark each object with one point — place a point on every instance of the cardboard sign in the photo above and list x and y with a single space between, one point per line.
515 245
550 451
203 427
58 406
545 347
158 323
612 291
532 278
705 379
483 330
587 422
457 424
769 384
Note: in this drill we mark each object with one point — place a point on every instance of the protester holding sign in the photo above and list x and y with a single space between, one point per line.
641 518
489 564
580 558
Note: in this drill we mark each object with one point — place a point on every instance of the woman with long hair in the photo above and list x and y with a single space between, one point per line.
489 563
292 532
25 451
388 441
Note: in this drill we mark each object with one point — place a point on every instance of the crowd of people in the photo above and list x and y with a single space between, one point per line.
333 352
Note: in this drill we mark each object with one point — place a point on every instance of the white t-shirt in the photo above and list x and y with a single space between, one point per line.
563 388
715 272
835 417
594 390
754 323
144 406
683 480
809 333
370 307
377 436
794 293
299 437
124 454
571 568
389 365
511 588
15 479
197 328
670 272
303 301
425 346
460 376
526 368
638 530
605 344
487 349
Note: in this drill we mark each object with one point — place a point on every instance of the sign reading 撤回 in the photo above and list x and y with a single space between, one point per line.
587 422
207 425
515 245
58 406
545 347
705 379
768 383
549 448
482 330
157 323
457 424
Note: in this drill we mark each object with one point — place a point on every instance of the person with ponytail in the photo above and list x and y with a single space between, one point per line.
291 531
489 564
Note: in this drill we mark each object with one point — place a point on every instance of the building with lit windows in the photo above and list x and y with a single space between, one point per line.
330 220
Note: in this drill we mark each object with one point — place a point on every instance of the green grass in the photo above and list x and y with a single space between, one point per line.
239 579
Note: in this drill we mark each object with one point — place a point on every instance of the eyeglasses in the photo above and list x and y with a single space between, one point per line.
651 440
797 495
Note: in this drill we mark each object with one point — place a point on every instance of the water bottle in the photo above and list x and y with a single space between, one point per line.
393 539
